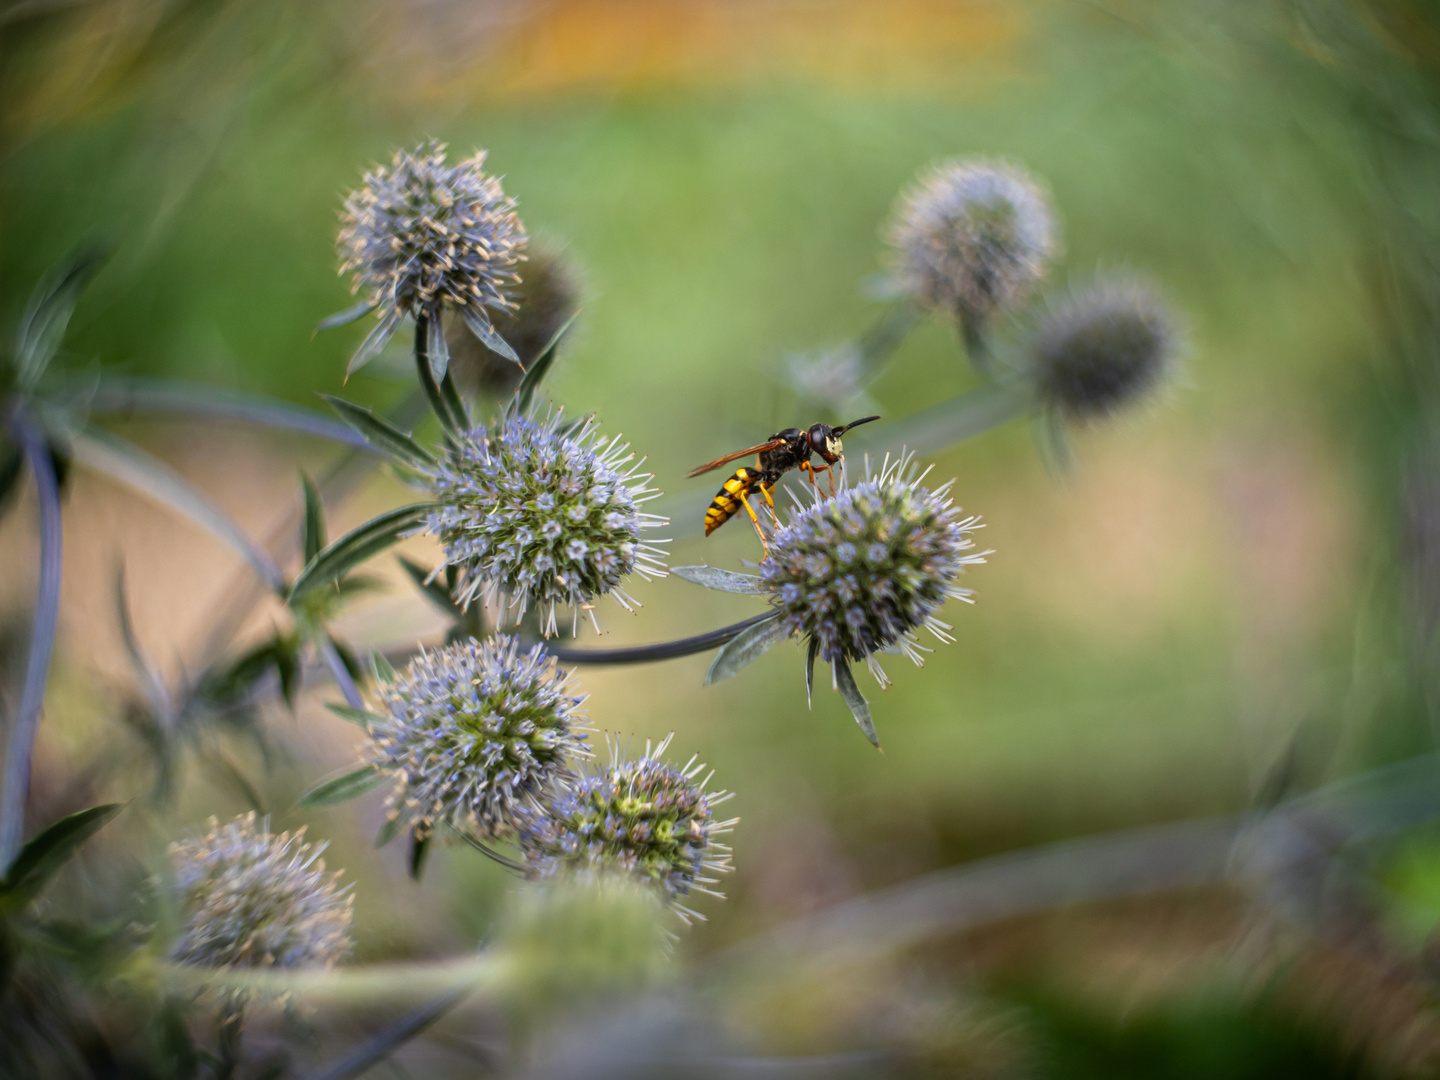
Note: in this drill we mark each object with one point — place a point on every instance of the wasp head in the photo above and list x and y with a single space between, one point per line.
825 440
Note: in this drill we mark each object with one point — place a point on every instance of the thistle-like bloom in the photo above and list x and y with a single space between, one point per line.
475 730
539 512
650 819
973 239
862 571
253 900
422 235
1104 346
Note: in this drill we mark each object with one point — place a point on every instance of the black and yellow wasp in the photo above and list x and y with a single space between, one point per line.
777 455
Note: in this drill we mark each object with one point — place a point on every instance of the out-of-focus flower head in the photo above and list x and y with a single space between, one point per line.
1106 345
862 571
474 731
973 239
645 817
250 899
421 236
546 513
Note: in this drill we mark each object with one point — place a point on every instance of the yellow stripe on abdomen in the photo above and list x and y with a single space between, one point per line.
727 500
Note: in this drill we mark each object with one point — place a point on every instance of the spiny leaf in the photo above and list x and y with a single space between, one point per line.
355 716
859 707
419 848
810 654
383 671
525 392
746 648
438 349
712 577
38 860
388 831
338 789
313 538
481 326
376 340
434 591
356 546
381 434
346 317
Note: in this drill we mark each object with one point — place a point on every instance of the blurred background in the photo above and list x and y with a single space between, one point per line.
1225 600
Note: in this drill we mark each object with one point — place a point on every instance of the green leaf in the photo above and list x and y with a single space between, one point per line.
438 352
712 577
37 862
434 591
149 476
346 317
313 537
810 654
419 848
859 707
376 340
48 314
381 434
388 831
341 788
746 648
356 546
383 671
525 392
480 325
355 716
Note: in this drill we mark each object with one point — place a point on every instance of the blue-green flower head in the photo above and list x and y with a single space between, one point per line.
250 899
973 239
544 512
1105 346
862 571
647 818
422 235
474 732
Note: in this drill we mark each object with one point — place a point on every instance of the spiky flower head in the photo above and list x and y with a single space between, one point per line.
862 571
973 239
422 235
645 817
1105 345
544 512
474 731
250 899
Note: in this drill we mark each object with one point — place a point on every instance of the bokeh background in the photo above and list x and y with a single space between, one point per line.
1224 599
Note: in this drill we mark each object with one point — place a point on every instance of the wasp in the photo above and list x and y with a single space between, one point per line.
777 455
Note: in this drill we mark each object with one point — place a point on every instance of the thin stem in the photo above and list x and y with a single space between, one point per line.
665 650
338 671
21 749
487 850
886 335
383 1045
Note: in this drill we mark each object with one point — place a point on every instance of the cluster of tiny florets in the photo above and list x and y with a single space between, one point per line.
973 239
650 819
421 235
474 731
1103 347
533 514
250 899
861 571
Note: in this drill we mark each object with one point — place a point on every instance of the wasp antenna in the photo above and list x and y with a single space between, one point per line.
855 424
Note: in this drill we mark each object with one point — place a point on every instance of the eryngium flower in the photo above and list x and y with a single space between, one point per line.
650 819
860 572
422 235
474 730
545 299
254 900
535 512
1103 347
973 239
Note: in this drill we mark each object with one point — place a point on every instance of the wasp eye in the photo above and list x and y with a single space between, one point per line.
819 436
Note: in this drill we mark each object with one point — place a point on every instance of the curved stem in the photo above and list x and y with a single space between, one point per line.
21 748
665 650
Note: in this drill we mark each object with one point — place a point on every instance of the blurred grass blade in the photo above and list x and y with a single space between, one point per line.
366 1056
376 340
746 648
20 748
339 670
337 789
132 466
356 716
383 671
961 417
359 544
811 652
346 317
712 577
481 326
48 314
525 392
39 859
845 683
156 692
381 434
433 589
313 539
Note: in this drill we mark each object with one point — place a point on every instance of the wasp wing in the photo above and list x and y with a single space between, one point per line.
759 448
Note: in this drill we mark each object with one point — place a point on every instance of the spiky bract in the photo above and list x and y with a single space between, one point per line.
475 730
546 513
250 899
1106 345
973 239
421 235
645 817
861 571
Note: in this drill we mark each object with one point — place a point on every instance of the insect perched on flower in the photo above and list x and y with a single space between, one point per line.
783 451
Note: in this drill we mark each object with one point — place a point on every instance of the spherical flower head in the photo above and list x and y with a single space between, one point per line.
250 899
1106 345
973 239
645 817
474 730
860 572
541 512
422 234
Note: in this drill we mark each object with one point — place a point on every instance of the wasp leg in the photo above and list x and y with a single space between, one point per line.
825 469
745 500
767 491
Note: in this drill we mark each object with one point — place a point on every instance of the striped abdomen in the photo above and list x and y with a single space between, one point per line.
727 501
